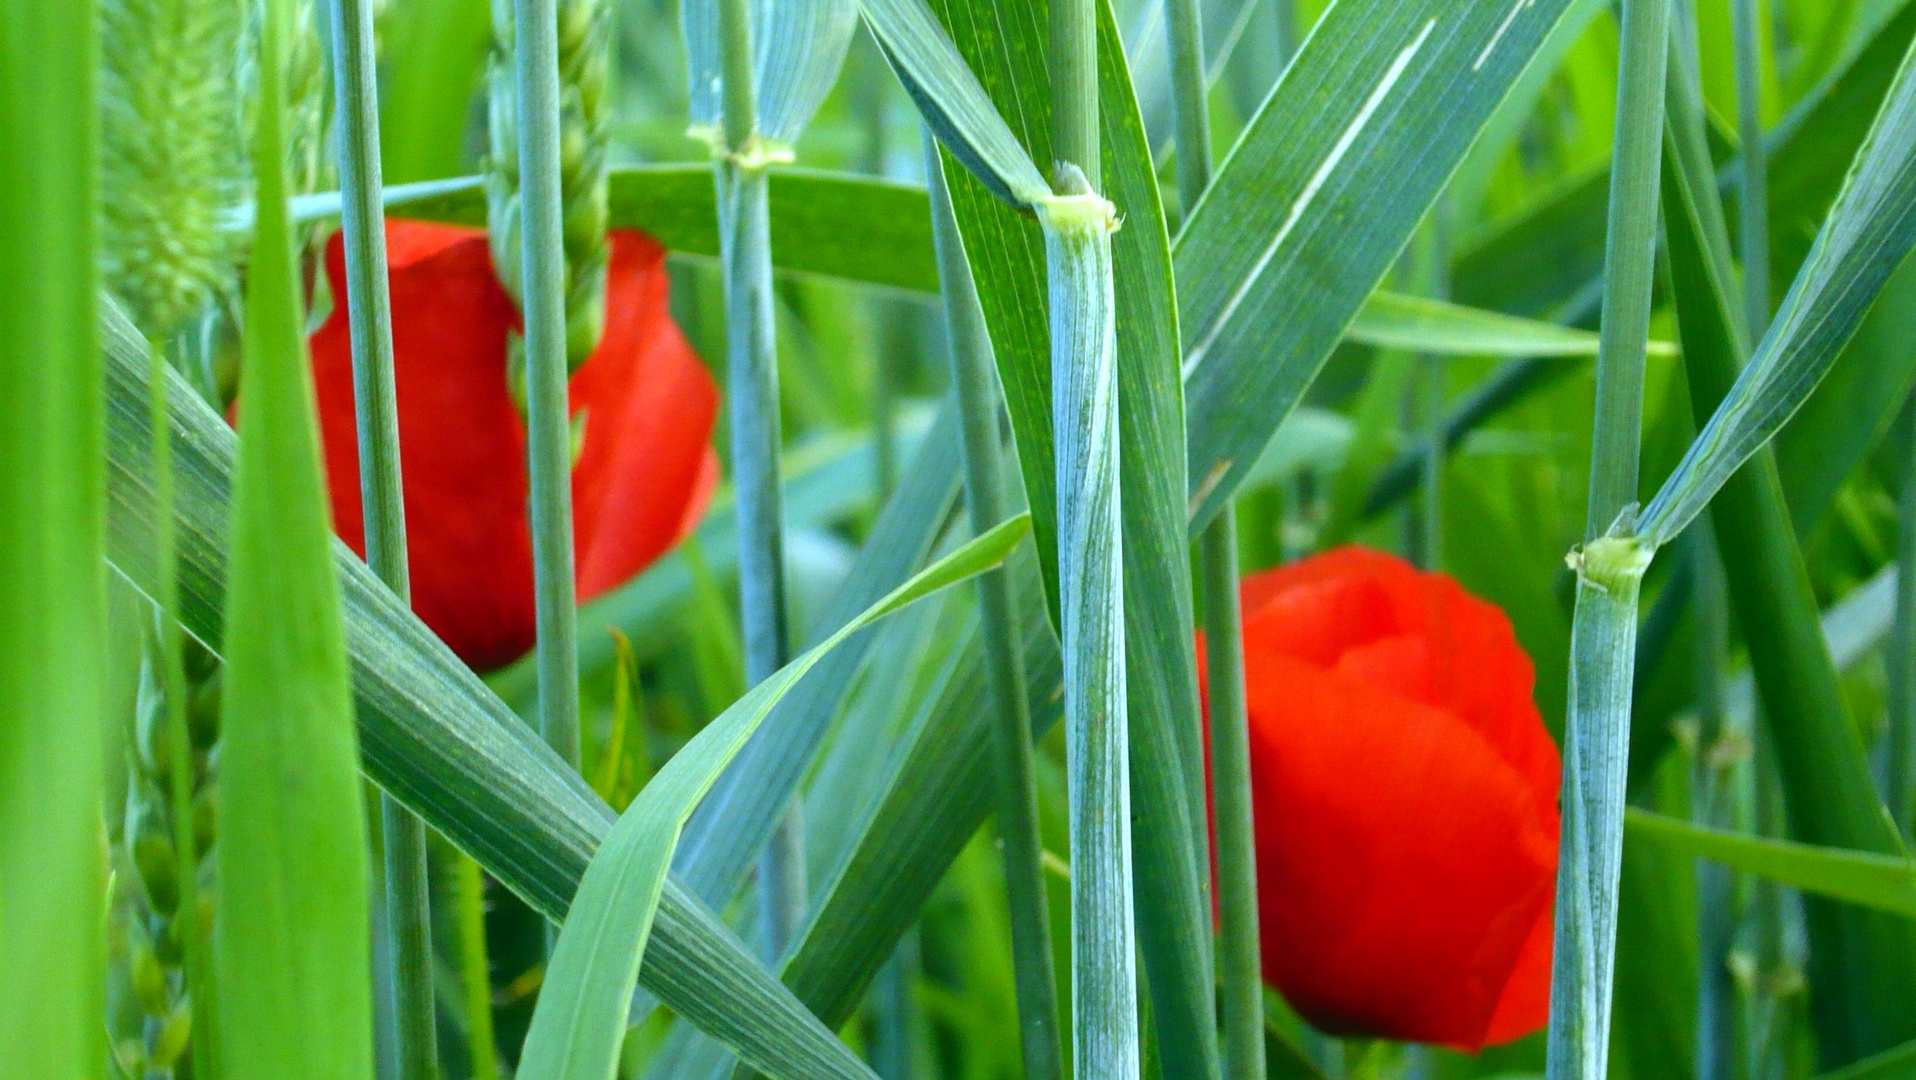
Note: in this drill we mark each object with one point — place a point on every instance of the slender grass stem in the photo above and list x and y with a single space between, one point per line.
751 348
1753 226
1239 957
1239 952
369 312
548 436
172 665
475 966
1711 803
1610 570
973 380
1899 765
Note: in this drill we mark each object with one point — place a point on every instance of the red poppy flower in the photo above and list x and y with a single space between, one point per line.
643 471
1406 803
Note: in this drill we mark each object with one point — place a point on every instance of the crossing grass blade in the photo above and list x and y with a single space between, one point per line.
292 951
1897 1064
1870 229
1415 323
733 823
1319 196
430 731
952 100
52 610
1863 878
1860 964
579 1024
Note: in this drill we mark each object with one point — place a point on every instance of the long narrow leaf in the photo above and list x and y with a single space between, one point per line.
1320 195
52 609
1864 878
579 1025
292 950
1868 232
1861 966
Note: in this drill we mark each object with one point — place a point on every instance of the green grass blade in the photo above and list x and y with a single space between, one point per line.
734 822
1414 323
1862 966
1005 45
1897 1064
292 948
1319 196
1868 232
430 731
1863 878
952 100
579 1025
52 739
408 921
974 387
1609 569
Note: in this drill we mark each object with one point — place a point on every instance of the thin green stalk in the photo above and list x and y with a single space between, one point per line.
1190 116
1899 744
1712 805
548 435
475 966
973 374
408 923
1239 952
1753 225
1610 570
752 359
172 665
1074 97
1239 967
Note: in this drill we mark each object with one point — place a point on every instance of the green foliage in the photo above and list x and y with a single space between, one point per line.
292 950
52 611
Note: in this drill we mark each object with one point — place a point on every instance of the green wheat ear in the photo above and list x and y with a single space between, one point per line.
170 153
585 35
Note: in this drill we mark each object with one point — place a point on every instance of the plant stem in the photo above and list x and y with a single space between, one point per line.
1074 97
174 691
1754 223
752 358
1899 766
475 966
369 313
548 436
1077 227
1190 117
1239 956
1239 952
1629 258
973 380
1610 572
1711 805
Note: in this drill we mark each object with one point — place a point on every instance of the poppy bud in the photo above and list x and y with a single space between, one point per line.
1405 796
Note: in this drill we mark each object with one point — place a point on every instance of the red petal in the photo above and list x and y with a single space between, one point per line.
1401 865
644 472
462 445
